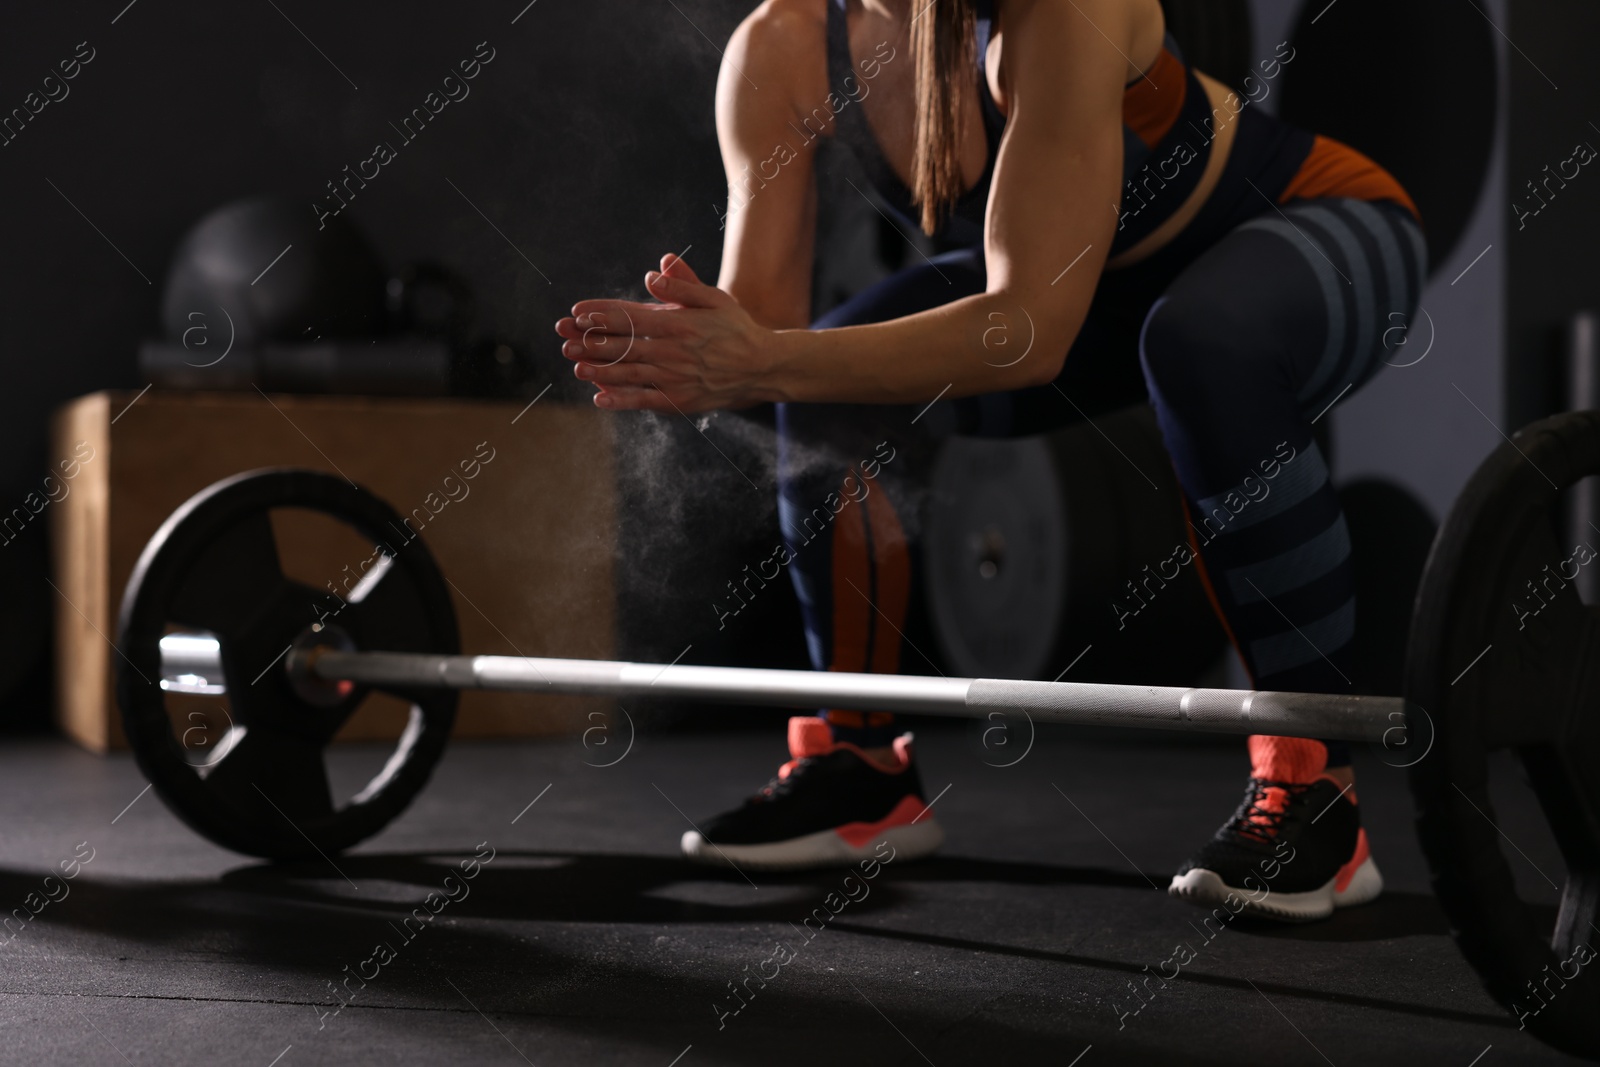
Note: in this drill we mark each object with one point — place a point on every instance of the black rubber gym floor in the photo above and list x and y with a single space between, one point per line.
584 940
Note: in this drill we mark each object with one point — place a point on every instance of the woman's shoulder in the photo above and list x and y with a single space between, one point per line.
1134 28
785 26
783 43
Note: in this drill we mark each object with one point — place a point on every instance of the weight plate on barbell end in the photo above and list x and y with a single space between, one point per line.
1039 548
996 557
1504 655
214 570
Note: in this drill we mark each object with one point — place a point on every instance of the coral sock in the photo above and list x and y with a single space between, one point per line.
1295 760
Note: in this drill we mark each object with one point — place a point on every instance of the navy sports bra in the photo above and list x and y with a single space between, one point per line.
1166 115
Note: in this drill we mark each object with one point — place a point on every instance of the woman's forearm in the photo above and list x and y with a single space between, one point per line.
978 344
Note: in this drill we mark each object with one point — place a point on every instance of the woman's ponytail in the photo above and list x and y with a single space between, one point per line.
943 41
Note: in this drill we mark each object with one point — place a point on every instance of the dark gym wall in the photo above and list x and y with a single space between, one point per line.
589 143
590 148
1555 83
588 140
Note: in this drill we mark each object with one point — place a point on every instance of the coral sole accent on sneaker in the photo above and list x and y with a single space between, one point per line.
908 811
1207 889
825 848
1341 881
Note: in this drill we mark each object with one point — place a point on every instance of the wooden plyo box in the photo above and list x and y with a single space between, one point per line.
529 547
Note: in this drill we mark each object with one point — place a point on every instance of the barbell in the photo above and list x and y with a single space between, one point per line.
1502 655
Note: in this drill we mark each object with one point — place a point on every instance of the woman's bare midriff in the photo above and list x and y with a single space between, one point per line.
1225 125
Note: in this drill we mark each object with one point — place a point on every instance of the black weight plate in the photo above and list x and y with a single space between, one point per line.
1441 56
1390 535
1496 667
1215 36
214 567
996 557
1032 543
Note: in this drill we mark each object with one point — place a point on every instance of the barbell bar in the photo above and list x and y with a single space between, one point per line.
1225 711
1502 655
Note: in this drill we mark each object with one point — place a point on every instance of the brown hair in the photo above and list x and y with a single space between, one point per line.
943 40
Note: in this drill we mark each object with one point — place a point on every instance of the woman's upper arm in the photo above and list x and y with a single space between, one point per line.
775 59
1058 174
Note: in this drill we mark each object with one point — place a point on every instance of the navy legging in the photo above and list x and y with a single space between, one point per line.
1240 343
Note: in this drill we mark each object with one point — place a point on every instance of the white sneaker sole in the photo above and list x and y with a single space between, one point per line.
825 848
1207 889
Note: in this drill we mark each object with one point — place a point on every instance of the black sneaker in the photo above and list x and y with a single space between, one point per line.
1293 851
829 806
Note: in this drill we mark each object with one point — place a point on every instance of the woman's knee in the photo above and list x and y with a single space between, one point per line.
815 425
927 285
827 445
1196 349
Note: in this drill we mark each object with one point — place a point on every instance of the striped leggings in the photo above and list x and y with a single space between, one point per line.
1240 346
